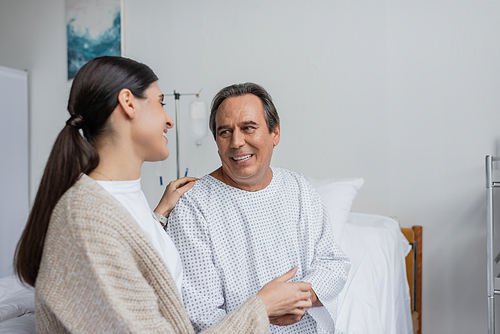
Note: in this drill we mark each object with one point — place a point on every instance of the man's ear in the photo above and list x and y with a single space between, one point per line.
276 134
128 102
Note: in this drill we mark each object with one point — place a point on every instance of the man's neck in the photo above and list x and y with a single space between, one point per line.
254 183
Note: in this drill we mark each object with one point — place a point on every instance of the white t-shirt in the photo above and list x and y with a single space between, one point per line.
130 195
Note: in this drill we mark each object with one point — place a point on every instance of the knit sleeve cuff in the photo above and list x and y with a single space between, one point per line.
251 317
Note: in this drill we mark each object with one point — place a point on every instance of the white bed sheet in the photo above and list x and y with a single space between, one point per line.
376 297
25 324
17 307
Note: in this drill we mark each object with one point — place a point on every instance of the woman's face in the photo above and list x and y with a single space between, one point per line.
152 124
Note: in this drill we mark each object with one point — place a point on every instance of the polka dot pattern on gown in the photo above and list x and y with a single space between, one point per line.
232 242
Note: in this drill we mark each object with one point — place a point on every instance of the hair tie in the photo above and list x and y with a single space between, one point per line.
75 121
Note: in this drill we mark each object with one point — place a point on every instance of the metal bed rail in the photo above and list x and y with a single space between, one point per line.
493 283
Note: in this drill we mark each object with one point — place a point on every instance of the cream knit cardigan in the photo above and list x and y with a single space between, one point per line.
100 274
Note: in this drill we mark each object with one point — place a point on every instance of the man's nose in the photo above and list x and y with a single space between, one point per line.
237 139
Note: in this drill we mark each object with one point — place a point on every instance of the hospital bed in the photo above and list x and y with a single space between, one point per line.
383 291
384 287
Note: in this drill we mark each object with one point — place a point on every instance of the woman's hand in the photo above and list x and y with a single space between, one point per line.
172 193
286 298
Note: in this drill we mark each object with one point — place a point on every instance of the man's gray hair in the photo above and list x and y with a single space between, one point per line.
270 112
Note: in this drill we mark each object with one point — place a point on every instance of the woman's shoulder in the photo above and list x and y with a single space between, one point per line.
86 203
85 191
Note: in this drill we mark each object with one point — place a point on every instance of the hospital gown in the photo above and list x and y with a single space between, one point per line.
232 242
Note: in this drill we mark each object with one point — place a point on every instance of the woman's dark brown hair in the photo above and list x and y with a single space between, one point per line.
92 99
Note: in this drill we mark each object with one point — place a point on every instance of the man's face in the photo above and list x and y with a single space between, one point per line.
244 142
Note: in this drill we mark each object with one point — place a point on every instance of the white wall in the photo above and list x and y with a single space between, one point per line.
404 94
14 173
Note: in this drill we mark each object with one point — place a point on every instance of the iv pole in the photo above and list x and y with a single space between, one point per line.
177 97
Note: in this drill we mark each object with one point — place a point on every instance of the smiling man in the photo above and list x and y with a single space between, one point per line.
247 222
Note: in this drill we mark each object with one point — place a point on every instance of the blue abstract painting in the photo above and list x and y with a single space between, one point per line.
94 29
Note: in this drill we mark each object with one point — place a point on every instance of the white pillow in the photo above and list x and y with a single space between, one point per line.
338 195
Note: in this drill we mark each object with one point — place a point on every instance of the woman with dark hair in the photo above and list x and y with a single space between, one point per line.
98 258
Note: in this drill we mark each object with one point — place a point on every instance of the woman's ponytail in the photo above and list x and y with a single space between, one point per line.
71 155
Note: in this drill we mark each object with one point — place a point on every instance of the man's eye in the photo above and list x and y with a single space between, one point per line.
162 104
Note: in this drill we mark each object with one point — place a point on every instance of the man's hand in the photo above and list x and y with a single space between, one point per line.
290 319
282 298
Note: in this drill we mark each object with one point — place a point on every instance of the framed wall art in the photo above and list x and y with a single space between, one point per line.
94 28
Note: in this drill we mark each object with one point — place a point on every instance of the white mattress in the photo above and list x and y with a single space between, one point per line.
376 297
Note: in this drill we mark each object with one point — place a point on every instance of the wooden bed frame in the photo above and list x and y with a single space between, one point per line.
414 274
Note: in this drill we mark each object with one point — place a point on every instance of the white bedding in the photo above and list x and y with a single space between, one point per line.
376 297
25 324
17 307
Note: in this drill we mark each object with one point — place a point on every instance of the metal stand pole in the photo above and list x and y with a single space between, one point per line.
177 97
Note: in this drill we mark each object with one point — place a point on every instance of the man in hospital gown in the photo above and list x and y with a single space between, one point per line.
247 223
